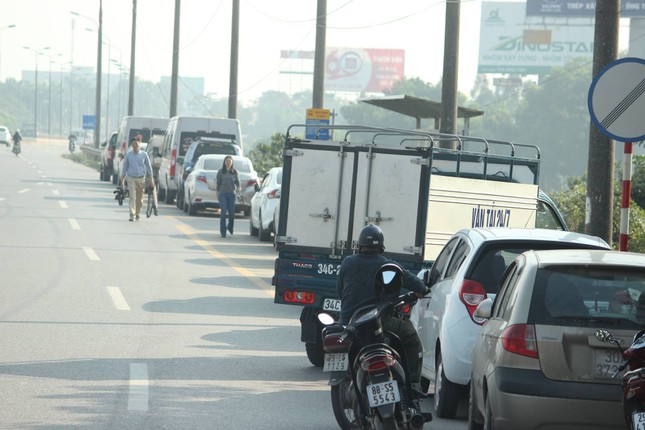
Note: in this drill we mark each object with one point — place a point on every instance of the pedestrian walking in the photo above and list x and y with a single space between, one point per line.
136 169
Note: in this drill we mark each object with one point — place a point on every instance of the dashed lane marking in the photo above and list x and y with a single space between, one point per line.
117 297
91 254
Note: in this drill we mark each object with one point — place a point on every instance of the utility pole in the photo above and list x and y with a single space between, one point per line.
175 62
600 167
235 45
450 68
133 46
319 56
99 73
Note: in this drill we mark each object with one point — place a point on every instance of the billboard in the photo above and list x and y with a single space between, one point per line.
510 43
580 8
360 70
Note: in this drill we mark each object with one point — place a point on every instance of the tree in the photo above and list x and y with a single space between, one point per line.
265 156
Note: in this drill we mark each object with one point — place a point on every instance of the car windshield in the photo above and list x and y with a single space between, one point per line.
589 297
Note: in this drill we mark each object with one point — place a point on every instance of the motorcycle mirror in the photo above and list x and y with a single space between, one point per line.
603 335
325 319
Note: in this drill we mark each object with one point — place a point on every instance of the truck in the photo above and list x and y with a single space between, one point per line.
419 187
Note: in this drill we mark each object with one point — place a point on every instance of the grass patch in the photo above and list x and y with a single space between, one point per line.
82 158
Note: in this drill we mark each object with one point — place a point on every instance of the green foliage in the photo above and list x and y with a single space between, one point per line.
638 180
571 203
265 156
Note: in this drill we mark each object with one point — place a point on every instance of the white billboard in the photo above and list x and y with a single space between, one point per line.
509 42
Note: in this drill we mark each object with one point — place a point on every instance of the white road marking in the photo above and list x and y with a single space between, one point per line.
118 299
62 204
39 171
24 190
55 192
74 224
138 394
91 254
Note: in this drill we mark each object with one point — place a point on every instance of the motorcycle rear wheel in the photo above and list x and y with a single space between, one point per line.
343 404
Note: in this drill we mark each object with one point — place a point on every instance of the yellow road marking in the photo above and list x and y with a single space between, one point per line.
267 288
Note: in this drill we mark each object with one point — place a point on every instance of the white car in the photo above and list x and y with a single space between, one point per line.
263 221
467 271
5 135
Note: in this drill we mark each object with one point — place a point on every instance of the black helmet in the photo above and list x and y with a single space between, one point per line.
388 282
371 236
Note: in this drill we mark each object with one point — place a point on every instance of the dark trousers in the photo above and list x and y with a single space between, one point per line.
411 343
227 211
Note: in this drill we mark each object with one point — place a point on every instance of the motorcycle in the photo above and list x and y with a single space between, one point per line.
370 384
72 145
16 149
633 384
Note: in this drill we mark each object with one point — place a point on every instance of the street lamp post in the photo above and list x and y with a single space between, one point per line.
49 115
4 28
37 52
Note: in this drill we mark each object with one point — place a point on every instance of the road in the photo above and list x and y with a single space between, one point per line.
156 324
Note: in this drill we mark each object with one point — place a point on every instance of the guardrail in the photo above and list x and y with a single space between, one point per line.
92 152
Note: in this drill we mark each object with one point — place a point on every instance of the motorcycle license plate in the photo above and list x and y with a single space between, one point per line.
335 362
383 393
331 305
607 362
638 421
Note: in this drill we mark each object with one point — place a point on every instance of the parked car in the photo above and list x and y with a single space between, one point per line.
108 150
5 135
467 271
199 147
536 362
200 184
263 221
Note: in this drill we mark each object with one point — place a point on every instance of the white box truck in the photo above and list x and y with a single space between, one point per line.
403 181
181 132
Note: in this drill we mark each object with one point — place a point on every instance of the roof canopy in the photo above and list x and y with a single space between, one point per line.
419 109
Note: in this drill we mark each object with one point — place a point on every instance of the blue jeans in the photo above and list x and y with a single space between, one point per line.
227 207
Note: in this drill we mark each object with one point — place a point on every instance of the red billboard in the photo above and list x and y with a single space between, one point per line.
363 70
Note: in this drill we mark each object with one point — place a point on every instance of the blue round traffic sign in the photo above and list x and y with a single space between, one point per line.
617 100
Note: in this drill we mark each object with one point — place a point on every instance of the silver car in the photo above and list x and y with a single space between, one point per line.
264 203
200 184
536 363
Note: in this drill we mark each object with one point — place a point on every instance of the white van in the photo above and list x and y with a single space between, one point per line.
132 126
181 132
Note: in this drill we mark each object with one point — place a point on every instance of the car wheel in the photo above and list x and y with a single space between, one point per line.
184 206
101 174
488 415
161 194
169 197
192 209
473 423
264 235
446 393
115 179
179 201
252 230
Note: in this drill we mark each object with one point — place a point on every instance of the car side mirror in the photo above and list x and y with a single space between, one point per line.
103 144
484 309
155 152
180 161
256 186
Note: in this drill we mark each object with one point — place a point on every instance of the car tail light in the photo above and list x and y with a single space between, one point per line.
173 162
251 183
274 194
291 296
201 179
377 360
520 339
471 294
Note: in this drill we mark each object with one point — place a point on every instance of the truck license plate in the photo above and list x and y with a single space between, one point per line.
383 393
638 421
331 305
607 362
336 362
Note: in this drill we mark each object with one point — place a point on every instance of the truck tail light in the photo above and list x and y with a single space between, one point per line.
301 297
520 339
471 294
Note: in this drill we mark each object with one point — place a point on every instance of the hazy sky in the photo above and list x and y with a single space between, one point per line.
266 28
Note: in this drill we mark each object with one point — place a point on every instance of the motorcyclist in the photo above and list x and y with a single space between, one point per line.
355 286
16 142
72 142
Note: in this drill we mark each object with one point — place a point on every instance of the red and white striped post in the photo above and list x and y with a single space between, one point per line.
627 192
